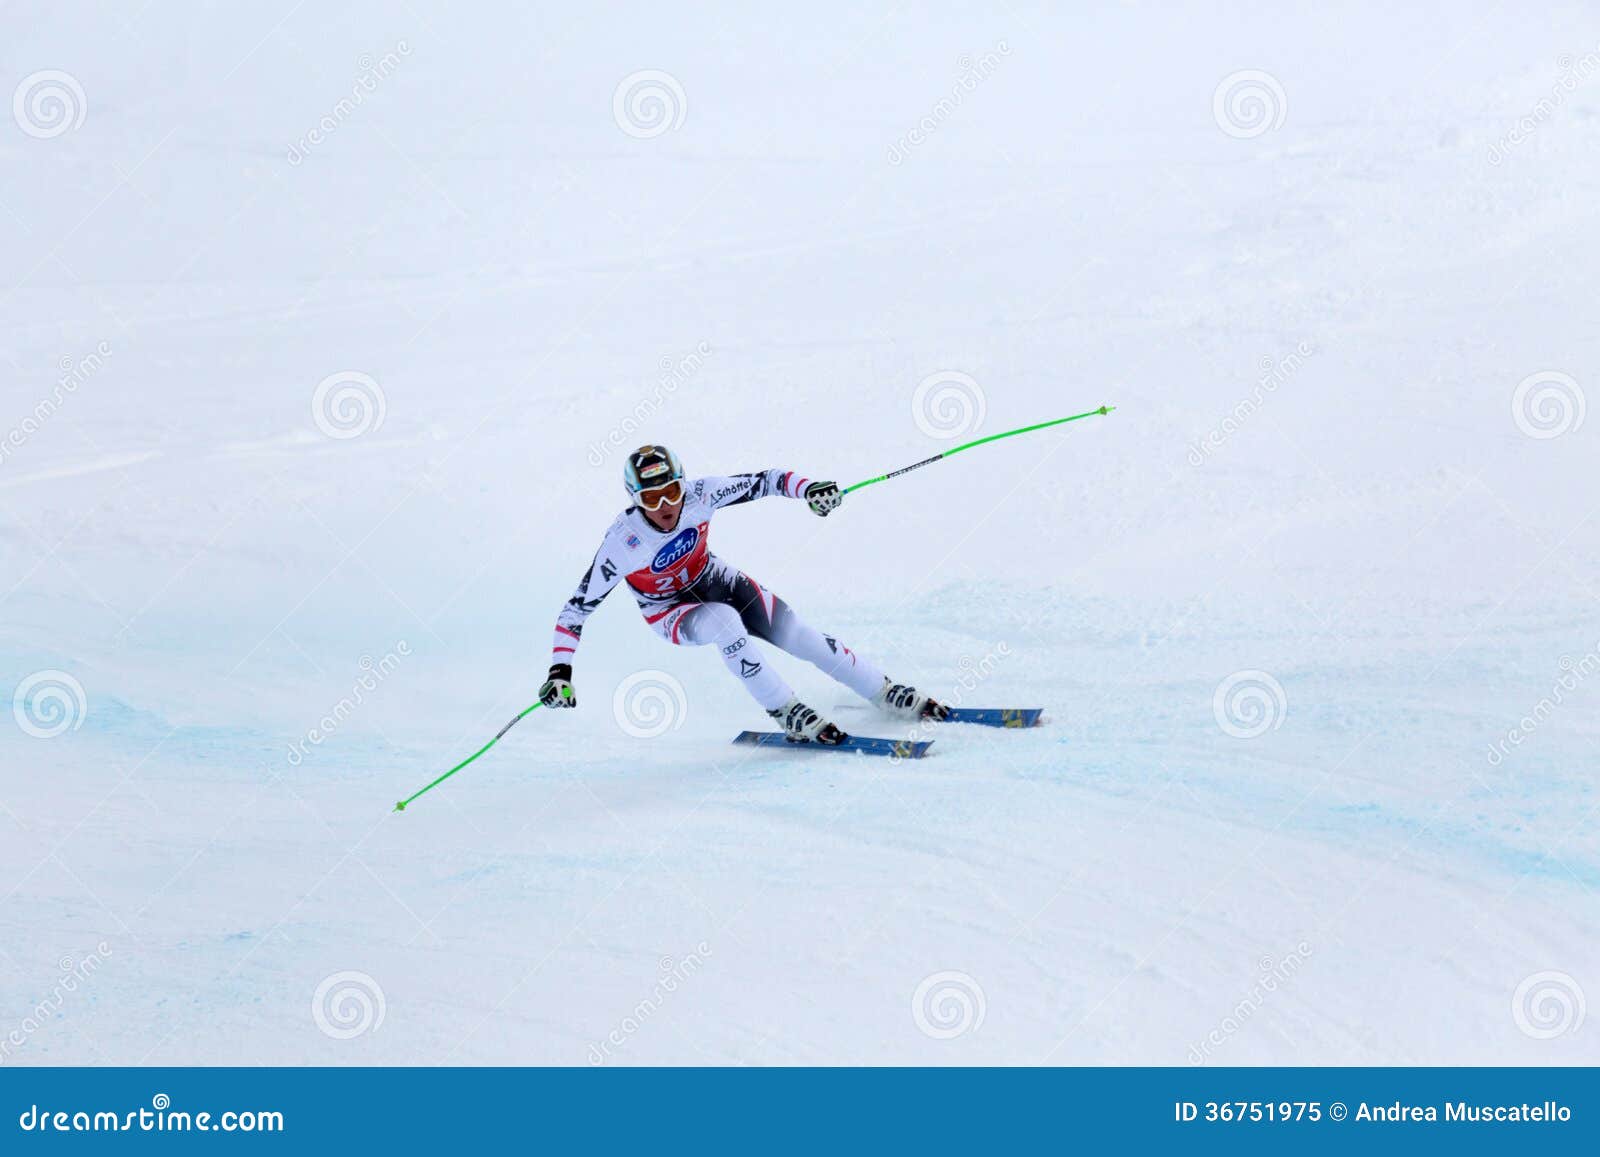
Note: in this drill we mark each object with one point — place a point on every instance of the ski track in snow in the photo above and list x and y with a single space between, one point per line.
1414 572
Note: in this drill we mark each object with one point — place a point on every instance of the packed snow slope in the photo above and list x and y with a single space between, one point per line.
357 307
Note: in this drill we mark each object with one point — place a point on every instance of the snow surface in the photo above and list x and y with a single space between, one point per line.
1361 883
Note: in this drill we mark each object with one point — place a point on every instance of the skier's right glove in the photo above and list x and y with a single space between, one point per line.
823 497
557 689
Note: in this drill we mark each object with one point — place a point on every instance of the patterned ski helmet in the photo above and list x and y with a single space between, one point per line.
649 467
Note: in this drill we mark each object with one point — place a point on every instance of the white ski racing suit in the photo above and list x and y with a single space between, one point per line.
691 597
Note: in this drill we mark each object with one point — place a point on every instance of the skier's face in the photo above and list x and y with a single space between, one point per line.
665 516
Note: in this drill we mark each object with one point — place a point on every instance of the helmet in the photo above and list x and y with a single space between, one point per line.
650 467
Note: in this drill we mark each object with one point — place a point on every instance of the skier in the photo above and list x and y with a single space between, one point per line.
659 545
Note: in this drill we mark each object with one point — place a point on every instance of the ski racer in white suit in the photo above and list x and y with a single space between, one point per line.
659 546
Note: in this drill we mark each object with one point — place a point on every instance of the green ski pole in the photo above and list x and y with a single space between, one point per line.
976 442
401 806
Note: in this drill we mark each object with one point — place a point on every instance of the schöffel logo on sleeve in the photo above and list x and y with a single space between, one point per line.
675 551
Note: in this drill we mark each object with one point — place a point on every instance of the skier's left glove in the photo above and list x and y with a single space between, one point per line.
823 497
557 689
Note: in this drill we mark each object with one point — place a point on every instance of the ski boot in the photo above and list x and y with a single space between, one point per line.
803 725
909 703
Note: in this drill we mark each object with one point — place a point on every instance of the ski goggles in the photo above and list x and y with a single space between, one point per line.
658 496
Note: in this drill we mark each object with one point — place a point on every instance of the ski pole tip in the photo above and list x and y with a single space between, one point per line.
401 806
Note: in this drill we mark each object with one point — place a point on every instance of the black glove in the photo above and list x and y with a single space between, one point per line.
557 689
823 497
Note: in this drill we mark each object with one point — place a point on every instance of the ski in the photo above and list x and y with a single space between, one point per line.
979 716
997 716
866 745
